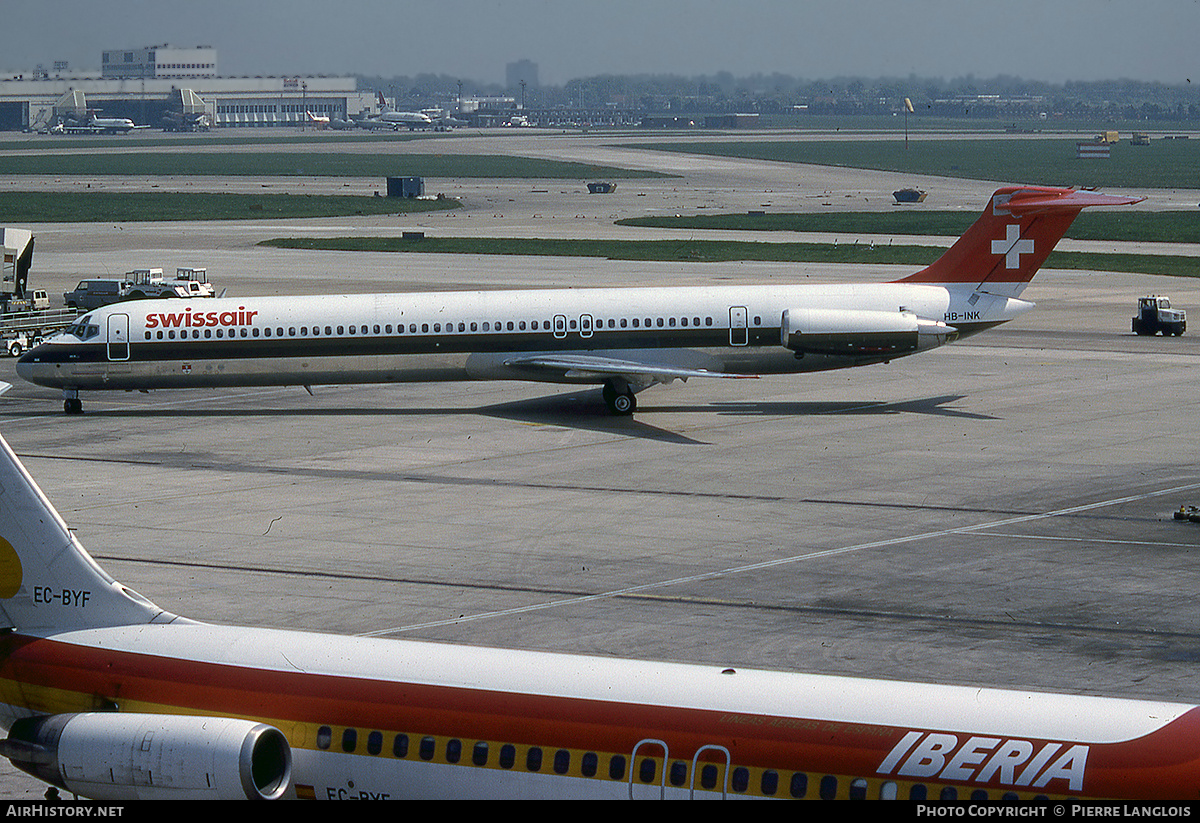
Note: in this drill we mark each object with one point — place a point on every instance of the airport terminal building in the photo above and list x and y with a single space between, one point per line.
141 85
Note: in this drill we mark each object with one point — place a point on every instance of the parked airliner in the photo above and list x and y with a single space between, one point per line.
624 339
108 696
388 118
319 120
101 125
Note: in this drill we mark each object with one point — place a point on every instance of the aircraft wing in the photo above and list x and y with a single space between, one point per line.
594 366
5 387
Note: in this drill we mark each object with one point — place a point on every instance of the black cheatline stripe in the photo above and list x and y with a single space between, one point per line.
467 343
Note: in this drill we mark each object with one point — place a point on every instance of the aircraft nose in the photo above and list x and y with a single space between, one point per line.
25 366
28 367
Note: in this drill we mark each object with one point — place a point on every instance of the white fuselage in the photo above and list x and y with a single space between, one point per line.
377 718
490 335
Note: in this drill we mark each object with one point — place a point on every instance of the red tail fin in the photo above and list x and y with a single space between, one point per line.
1012 238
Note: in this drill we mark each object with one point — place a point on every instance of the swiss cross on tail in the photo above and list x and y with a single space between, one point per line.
1012 247
1011 240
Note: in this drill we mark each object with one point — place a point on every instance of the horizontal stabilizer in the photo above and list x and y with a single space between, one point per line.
1039 200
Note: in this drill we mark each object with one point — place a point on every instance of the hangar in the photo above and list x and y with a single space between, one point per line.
142 84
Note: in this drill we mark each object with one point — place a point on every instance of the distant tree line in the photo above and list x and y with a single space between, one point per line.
777 94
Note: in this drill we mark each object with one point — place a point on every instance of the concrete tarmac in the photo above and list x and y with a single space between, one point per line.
993 513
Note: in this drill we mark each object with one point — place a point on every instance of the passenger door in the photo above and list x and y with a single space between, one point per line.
118 337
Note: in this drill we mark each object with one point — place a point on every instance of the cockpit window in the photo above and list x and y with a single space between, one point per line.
84 330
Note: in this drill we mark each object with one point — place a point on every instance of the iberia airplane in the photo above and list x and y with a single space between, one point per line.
625 339
106 695
319 120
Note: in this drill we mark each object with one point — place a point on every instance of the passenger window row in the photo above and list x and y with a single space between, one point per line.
573 324
742 780
424 328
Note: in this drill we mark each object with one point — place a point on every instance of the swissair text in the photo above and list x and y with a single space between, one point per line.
199 319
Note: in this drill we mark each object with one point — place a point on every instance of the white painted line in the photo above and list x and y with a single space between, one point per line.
894 541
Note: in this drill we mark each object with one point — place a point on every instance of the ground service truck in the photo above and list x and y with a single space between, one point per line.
25 314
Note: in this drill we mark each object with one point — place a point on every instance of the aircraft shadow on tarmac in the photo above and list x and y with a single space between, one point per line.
584 410
925 405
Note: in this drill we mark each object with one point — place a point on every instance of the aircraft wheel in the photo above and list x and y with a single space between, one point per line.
73 405
619 397
624 404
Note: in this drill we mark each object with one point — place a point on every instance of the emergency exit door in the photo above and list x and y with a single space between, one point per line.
738 335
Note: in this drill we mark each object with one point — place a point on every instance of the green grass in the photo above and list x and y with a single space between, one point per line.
696 251
1168 265
1162 164
306 164
139 140
893 125
124 207
715 251
1121 224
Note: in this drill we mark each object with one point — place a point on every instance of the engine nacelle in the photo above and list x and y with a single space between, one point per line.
112 756
861 332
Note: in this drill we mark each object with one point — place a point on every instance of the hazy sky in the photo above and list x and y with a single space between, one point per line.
1053 40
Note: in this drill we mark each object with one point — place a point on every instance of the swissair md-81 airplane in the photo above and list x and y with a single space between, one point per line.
625 339
106 695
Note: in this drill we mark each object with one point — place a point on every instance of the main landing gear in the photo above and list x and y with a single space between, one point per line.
71 402
619 398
